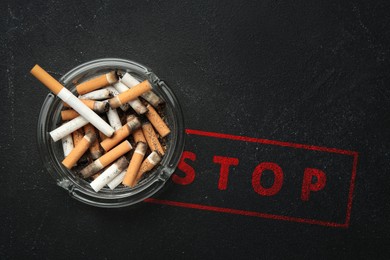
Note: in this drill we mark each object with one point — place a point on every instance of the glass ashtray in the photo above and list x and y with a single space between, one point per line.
52 154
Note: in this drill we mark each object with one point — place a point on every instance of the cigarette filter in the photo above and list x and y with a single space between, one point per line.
66 96
136 104
99 94
135 163
121 134
78 151
109 174
152 160
68 114
149 96
106 159
96 83
151 138
157 121
130 94
114 92
138 136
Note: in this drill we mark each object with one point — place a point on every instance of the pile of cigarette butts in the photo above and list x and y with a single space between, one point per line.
109 149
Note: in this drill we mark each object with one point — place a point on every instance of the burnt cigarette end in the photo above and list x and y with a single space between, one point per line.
122 163
134 124
90 134
101 106
152 98
112 77
90 170
155 157
142 146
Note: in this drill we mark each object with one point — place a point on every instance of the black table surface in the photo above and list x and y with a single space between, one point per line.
306 72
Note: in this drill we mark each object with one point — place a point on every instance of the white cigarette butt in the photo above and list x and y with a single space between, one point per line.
99 94
68 128
113 118
109 174
67 144
117 180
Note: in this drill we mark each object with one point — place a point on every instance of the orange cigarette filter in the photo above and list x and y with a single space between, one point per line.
96 83
130 94
135 163
152 160
46 79
115 153
68 114
121 134
106 159
94 148
78 151
157 121
151 138
138 136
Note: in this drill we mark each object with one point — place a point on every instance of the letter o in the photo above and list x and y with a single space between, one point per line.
278 179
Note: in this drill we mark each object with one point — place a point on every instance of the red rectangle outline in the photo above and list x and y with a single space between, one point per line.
266 215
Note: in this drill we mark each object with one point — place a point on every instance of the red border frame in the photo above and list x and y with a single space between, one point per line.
265 215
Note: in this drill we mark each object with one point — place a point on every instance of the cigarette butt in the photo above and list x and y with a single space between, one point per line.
68 114
99 94
67 144
78 151
149 96
114 92
130 94
135 163
97 106
67 128
133 122
113 118
109 174
94 148
96 83
65 95
152 98
106 159
152 160
136 104
157 121
151 138
120 134
138 136
117 180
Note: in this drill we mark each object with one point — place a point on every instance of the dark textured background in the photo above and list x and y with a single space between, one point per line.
314 72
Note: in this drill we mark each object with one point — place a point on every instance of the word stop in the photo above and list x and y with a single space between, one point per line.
314 180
